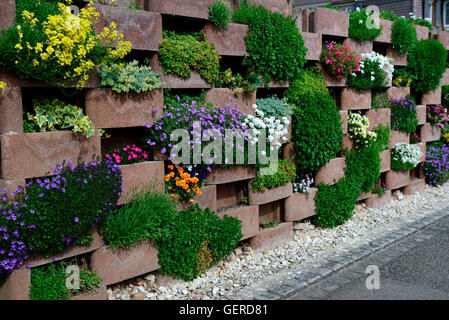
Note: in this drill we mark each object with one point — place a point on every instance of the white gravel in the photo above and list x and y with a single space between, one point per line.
245 268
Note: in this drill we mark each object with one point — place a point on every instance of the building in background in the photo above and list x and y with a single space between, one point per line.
434 11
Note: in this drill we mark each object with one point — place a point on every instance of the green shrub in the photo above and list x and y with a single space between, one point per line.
49 282
147 217
403 36
53 115
219 14
126 77
427 63
275 107
358 29
286 173
363 166
380 100
275 46
388 15
180 54
197 239
383 137
404 115
316 123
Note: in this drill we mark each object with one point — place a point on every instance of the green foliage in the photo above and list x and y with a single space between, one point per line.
286 173
388 15
219 14
197 239
275 107
316 122
423 23
383 137
380 100
49 282
236 81
53 115
404 115
270 224
180 54
403 35
402 78
363 166
358 29
275 46
126 77
427 63
147 217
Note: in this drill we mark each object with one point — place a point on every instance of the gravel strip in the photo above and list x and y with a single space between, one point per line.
246 273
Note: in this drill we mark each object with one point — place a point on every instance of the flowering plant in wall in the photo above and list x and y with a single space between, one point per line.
303 184
404 115
339 62
56 212
405 156
438 115
181 185
380 188
436 167
51 44
358 129
376 71
2 86
127 155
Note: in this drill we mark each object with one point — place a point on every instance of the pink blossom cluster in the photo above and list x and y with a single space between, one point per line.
339 61
438 115
127 155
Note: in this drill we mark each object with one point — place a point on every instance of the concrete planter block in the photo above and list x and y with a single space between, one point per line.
376 201
359 47
422 33
11 118
209 197
331 172
445 79
344 119
398 92
270 212
415 185
272 237
17 285
100 294
421 114
249 215
109 109
141 175
220 175
11 185
397 179
385 161
364 196
380 116
385 36
32 155
124 264
230 42
300 206
183 8
331 82
397 60
430 132
223 96
433 97
398 136
289 152
7 13
330 22
280 6
313 43
229 194
142 28
443 37
352 99
347 143
270 195
422 147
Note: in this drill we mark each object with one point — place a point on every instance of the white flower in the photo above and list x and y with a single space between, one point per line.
360 21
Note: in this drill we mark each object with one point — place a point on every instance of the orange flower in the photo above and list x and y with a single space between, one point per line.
180 169
172 174
167 177
200 192
171 167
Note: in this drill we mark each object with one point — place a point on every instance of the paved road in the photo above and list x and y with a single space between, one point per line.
416 267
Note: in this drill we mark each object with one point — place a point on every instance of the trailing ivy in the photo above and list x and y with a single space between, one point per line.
275 46
316 123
